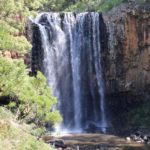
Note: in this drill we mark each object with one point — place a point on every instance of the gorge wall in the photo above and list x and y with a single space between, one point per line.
127 60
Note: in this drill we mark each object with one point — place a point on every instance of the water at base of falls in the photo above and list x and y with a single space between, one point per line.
71 48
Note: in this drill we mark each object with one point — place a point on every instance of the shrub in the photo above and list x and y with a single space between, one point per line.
30 97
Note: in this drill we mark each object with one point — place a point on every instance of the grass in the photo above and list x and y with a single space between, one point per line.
15 136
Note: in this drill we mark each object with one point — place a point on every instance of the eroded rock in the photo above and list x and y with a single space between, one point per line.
127 60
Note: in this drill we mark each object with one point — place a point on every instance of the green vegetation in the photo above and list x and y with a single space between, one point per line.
29 97
10 42
15 136
139 117
84 5
30 101
13 15
94 5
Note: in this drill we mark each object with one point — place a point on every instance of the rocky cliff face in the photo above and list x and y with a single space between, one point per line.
127 60
17 55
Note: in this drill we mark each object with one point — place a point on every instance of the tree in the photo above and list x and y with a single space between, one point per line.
13 15
30 97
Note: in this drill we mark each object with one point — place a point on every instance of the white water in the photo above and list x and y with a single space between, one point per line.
98 68
72 66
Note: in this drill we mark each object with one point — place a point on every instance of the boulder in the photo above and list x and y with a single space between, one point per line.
58 143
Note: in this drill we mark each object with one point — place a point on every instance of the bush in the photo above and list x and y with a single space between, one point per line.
100 6
30 97
140 117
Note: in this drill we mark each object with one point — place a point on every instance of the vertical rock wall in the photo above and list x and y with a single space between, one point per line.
127 71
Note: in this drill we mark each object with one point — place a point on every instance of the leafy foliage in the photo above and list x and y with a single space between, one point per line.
30 96
94 5
13 15
9 42
140 117
85 5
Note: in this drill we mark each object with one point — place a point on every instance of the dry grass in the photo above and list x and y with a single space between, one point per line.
15 136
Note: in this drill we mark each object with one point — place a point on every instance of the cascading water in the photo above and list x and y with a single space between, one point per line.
71 46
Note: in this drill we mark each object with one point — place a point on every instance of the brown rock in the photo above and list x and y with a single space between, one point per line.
7 54
128 58
127 71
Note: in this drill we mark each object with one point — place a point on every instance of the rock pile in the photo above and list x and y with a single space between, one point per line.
139 137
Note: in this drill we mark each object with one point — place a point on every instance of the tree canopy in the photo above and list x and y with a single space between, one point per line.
30 97
13 15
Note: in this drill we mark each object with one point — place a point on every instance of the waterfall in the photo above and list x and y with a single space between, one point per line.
72 64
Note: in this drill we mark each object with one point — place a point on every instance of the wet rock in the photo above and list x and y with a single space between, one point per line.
58 143
140 137
128 139
92 128
97 142
27 59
